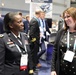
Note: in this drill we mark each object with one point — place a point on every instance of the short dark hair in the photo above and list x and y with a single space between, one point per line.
20 13
37 12
9 18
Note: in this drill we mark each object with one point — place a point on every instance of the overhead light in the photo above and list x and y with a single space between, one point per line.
2 4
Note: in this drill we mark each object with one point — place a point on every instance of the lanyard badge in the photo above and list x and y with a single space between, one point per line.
69 55
24 62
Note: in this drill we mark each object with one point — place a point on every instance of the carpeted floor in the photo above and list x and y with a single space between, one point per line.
45 69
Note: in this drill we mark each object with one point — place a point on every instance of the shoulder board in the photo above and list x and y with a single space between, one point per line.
1 35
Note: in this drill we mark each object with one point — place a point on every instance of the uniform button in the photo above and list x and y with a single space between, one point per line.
66 65
73 67
73 72
69 70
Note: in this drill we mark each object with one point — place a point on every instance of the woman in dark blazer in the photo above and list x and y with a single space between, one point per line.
15 56
64 53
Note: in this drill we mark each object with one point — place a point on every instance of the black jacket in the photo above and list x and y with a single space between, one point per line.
55 63
34 29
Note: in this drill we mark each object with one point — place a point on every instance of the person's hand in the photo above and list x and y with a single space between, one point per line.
31 71
41 34
33 40
53 73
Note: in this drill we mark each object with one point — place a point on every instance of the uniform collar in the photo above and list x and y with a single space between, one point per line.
15 35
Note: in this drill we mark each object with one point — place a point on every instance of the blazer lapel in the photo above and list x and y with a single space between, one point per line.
25 41
22 38
11 36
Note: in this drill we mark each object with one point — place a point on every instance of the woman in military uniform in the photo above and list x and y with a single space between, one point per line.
15 56
64 53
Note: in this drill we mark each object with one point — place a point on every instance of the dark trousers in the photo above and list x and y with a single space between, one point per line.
34 50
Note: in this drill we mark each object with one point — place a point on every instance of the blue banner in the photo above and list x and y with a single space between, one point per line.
42 1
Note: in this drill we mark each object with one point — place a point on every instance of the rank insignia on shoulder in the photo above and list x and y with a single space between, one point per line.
33 40
1 35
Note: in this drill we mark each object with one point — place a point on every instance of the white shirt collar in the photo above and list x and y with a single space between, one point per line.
15 35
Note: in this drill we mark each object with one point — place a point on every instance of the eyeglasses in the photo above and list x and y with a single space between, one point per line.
66 16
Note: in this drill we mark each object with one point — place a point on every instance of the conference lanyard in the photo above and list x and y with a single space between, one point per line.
68 42
20 49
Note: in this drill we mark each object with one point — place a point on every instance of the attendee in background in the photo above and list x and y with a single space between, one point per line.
1 25
44 33
44 29
64 53
26 24
15 56
61 22
23 19
34 36
54 27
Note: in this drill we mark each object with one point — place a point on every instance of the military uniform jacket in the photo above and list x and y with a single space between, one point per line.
10 55
34 29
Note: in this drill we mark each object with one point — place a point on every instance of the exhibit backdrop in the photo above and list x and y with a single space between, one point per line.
45 5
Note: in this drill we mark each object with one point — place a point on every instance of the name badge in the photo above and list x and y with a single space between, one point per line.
69 56
24 62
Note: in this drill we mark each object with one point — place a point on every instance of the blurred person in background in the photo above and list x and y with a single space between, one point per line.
44 33
61 22
34 37
1 25
44 28
26 24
